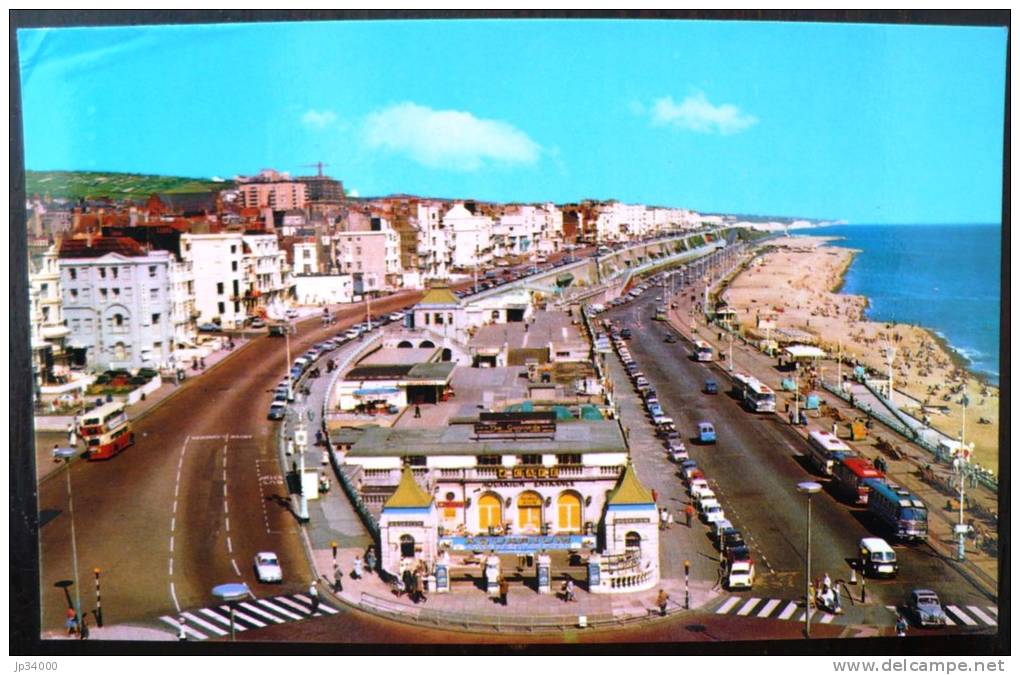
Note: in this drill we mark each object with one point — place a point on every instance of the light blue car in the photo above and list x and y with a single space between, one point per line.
706 432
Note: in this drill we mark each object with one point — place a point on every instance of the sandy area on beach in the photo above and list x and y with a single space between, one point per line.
794 285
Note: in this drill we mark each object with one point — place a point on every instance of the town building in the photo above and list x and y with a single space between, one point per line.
318 289
371 253
271 189
46 317
217 262
470 237
116 300
267 275
435 253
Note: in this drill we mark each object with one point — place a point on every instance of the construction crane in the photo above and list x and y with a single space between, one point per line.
318 165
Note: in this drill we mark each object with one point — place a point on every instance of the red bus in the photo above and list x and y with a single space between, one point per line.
106 431
851 473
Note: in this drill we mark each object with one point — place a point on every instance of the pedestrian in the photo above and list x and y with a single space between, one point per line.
826 582
408 579
663 517
413 588
72 621
669 519
419 586
313 593
901 626
182 636
570 591
356 572
370 559
84 633
835 430
689 512
504 590
417 411
662 601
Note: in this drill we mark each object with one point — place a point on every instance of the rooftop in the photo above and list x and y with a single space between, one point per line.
398 356
439 294
578 437
408 494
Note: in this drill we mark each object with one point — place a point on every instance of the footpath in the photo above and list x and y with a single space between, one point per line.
908 464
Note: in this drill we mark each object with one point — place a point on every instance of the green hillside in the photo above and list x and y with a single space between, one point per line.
116 186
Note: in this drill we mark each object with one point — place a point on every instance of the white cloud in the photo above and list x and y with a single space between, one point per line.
353 193
318 120
448 139
695 113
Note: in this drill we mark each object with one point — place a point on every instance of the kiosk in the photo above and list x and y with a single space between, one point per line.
543 567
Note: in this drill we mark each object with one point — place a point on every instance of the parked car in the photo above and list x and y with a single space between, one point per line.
706 432
267 568
732 538
711 387
291 314
670 338
720 526
397 316
277 409
712 511
258 323
703 497
739 569
925 608
208 328
677 452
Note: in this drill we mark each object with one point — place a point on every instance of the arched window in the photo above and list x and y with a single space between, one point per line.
490 512
404 344
529 512
406 546
447 355
632 541
568 508
427 344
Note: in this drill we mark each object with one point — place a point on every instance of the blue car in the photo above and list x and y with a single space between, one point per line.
706 432
711 387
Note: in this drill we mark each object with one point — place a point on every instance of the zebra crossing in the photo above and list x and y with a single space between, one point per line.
986 616
793 610
771 608
213 622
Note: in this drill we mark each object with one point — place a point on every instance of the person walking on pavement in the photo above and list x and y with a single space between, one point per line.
338 579
84 632
313 593
689 512
417 411
662 601
419 585
182 636
356 572
901 626
669 519
72 621
504 590
370 559
570 591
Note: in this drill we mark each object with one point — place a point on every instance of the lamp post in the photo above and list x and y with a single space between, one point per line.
808 488
796 392
890 356
99 602
230 594
960 464
301 445
66 454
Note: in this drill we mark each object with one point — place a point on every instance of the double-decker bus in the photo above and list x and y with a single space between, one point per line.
758 397
106 431
826 451
702 351
904 514
852 475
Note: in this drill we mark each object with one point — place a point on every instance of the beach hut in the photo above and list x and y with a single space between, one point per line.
799 354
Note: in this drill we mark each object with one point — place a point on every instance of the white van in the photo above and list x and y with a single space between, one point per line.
877 558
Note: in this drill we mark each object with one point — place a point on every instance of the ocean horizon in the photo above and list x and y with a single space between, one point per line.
945 278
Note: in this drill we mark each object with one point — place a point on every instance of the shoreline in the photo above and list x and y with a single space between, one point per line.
797 284
958 359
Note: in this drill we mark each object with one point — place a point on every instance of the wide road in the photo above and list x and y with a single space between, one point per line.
191 503
755 467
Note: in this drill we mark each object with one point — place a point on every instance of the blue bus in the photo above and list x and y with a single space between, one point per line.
904 514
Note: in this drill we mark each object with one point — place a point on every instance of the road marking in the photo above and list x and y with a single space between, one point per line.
188 630
728 605
171 565
230 547
243 437
222 619
280 610
748 606
208 437
224 489
241 615
994 610
178 474
173 594
224 474
767 609
173 523
175 506
828 618
226 523
171 543
788 611
291 603
963 616
892 608
226 509
322 606
252 608
177 487
234 563
981 615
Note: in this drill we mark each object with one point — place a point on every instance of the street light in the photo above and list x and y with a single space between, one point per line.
230 594
66 454
300 417
808 488
960 465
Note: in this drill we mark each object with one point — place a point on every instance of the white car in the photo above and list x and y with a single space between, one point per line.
352 333
291 314
697 486
267 568
712 511
396 316
719 526
704 496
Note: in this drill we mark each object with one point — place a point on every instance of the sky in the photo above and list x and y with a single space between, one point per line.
865 123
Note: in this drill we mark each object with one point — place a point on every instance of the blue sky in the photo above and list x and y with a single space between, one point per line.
892 124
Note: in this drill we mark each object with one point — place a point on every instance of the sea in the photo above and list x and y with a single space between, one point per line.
946 278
